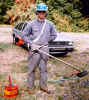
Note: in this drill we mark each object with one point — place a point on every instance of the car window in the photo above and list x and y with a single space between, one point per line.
24 25
20 26
17 26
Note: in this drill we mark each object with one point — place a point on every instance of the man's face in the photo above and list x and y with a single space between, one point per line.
41 14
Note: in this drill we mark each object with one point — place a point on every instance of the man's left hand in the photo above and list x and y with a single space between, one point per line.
35 47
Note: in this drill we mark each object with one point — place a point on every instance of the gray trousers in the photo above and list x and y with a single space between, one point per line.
37 60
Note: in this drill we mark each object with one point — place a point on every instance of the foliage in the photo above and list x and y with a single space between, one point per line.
72 10
4 6
23 11
68 15
62 22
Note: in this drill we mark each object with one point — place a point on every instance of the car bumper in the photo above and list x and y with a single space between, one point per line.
58 50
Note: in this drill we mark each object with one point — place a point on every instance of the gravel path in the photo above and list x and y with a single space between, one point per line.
5 34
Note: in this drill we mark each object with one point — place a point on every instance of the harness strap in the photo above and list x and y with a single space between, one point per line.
35 40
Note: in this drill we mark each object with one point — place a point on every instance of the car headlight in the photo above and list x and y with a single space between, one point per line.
70 43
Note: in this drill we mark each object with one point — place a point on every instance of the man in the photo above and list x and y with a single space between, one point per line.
37 34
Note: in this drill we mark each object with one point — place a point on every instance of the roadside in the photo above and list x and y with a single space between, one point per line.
81 40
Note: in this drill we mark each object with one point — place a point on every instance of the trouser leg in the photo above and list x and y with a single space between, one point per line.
43 74
33 61
43 68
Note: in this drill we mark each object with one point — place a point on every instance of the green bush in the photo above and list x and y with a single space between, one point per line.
76 14
72 9
4 6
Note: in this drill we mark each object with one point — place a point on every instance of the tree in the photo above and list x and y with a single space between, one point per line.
74 10
85 7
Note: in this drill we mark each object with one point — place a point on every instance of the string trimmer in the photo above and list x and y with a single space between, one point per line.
79 72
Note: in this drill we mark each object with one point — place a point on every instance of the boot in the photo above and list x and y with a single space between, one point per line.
45 90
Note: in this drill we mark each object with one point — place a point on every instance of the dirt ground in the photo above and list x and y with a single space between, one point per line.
13 61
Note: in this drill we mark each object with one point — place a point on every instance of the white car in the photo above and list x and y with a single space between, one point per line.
61 45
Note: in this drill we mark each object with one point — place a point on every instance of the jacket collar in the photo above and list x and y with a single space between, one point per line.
41 21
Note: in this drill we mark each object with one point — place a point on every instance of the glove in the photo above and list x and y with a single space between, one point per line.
35 47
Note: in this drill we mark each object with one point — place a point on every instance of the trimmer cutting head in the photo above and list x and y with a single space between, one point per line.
79 73
82 74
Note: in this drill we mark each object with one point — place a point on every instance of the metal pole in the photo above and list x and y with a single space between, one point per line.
69 65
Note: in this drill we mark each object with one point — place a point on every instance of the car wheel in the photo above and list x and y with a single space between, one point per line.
14 40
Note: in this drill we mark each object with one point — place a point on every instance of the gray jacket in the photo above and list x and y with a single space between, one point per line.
34 28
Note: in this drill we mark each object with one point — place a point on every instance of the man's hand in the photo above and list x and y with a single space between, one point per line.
35 47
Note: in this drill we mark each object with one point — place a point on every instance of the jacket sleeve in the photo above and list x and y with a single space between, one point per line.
26 36
53 32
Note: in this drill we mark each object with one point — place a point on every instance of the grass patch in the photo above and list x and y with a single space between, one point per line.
20 67
85 52
5 46
3 77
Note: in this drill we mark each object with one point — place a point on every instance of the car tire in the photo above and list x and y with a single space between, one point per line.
14 39
61 54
